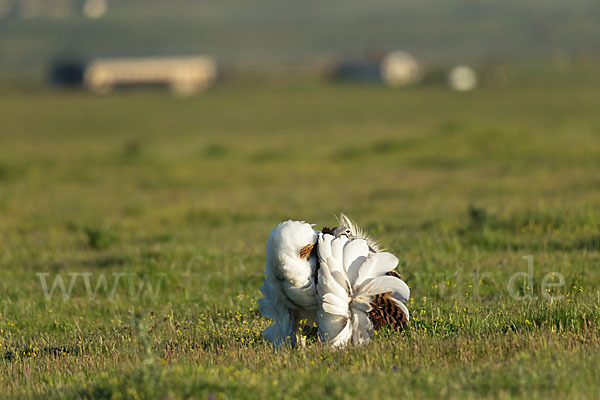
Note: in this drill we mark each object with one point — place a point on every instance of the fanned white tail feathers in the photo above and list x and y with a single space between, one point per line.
349 277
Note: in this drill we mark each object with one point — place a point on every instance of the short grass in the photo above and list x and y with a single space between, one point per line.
173 200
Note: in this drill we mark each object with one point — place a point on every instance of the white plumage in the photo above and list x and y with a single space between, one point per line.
344 286
349 278
289 287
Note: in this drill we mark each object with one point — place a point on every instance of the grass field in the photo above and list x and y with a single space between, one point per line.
145 189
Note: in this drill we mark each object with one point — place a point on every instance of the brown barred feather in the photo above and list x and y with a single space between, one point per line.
306 250
386 312
394 274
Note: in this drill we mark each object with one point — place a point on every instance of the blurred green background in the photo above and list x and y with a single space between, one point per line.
270 32
459 185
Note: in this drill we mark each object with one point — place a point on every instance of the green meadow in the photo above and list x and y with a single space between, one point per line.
490 199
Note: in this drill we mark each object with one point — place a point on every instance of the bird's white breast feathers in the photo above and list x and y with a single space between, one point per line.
284 266
289 289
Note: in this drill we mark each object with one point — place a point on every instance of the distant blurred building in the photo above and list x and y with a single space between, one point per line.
32 9
400 68
94 9
395 69
462 78
29 9
67 73
183 75
357 71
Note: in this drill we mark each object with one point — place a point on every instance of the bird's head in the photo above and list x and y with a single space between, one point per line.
338 231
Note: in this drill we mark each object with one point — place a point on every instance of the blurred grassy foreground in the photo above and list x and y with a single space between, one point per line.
145 189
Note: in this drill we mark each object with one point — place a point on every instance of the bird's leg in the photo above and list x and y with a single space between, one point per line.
300 339
304 326
301 333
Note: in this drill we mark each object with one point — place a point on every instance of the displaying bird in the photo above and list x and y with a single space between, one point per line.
289 288
298 288
357 293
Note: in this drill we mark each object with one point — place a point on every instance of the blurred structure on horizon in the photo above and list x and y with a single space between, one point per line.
94 8
462 78
400 68
183 75
271 32
59 9
394 69
272 38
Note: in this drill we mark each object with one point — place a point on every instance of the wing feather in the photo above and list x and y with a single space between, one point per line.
376 265
385 284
